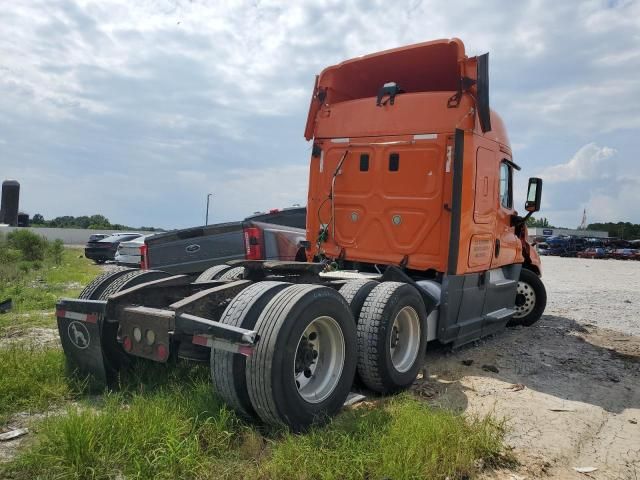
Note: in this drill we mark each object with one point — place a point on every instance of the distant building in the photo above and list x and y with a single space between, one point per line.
555 232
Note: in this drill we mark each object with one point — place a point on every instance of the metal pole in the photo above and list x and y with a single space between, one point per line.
206 218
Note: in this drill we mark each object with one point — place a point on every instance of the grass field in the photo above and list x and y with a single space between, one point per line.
35 285
165 421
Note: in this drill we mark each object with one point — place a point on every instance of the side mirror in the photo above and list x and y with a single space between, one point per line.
534 195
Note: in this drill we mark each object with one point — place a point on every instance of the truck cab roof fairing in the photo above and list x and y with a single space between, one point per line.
424 67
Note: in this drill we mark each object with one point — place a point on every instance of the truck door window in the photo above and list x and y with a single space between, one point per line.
506 194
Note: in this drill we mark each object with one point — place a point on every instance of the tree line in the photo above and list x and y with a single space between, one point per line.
622 230
93 222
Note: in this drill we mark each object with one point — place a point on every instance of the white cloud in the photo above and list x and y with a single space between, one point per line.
620 204
590 180
588 163
102 98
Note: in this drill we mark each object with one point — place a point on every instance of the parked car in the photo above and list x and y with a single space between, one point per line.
105 249
276 235
596 252
97 236
625 254
128 253
565 246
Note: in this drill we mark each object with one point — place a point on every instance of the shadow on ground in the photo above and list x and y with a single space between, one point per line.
557 356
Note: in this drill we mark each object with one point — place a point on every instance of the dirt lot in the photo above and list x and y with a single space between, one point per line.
569 387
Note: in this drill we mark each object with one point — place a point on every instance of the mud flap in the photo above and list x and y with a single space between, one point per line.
89 341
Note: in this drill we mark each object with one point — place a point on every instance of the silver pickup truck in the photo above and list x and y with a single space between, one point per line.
276 235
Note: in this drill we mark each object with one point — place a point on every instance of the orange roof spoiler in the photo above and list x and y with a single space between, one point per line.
439 65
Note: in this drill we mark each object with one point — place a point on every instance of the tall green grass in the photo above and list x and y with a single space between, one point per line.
35 287
32 379
179 429
405 439
174 431
37 284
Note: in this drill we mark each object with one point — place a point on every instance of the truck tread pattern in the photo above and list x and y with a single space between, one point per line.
369 323
372 329
228 369
259 373
355 293
270 381
96 285
236 273
212 273
131 279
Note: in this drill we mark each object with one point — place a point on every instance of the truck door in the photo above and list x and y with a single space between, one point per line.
484 211
506 243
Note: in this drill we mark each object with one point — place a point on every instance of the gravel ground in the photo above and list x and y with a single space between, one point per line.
605 293
567 386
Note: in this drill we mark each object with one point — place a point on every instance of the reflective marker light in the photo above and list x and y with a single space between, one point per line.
162 352
127 344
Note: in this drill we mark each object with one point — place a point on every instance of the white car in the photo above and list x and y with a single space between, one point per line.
128 253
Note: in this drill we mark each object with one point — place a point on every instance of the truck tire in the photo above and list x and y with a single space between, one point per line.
131 279
236 273
356 292
392 337
531 299
93 290
212 273
303 365
228 369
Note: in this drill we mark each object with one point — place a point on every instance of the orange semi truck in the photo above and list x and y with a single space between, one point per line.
412 236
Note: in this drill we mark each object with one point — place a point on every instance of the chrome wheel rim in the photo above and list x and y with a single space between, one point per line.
319 359
404 340
525 300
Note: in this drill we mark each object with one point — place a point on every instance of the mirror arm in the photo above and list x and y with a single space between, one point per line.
526 217
517 220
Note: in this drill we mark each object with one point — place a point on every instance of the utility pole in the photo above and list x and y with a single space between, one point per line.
206 218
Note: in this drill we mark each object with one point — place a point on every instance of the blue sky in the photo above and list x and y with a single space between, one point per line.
136 110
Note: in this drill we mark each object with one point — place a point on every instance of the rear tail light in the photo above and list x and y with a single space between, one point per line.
253 243
127 344
144 257
162 352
